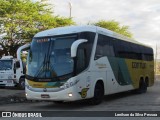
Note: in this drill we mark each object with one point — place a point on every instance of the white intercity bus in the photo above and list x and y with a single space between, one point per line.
86 62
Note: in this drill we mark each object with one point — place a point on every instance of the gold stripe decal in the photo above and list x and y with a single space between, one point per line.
42 84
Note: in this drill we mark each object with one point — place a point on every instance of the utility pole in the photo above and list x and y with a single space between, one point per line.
70 9
156 60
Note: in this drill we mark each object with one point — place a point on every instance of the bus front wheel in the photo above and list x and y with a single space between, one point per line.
98 94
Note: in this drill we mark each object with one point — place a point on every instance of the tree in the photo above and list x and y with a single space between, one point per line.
21 19
114 26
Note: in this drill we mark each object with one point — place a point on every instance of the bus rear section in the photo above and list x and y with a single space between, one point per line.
129 65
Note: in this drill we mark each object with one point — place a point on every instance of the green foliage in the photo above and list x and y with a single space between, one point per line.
23 57
21 19
114 26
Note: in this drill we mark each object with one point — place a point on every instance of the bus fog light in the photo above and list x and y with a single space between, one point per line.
70 94
26 95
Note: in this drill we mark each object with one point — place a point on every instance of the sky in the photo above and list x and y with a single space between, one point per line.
142 16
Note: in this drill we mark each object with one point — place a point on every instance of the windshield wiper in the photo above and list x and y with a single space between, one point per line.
46 64
41 67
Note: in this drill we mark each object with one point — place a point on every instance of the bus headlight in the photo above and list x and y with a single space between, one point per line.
69 84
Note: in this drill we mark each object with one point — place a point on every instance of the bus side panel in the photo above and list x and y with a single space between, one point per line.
138 69
116 75
129 71
120 70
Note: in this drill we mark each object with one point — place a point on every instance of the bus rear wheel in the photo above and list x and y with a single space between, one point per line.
98 94
142 87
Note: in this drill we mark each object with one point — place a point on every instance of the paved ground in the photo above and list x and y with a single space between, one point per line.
11 95
126 101
10 91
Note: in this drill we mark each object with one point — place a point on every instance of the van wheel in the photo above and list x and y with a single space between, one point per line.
21 84
142 87
98 94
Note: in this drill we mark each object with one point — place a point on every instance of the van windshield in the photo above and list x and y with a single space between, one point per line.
5 64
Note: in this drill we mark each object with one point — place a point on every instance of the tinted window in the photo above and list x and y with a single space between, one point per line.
88 45
129 50
84 51
104 47
122 48
147 54
107 46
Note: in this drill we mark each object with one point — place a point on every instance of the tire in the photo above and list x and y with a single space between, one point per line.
21 83
142 87
98 94
147 81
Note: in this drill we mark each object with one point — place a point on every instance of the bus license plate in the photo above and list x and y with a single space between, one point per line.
45 96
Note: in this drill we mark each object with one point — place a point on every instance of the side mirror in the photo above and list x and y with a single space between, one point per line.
75 45
22 48
17 64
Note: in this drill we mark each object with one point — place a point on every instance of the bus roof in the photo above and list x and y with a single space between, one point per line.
65 30
87 28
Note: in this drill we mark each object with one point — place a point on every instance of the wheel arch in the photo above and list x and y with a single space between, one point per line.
100 81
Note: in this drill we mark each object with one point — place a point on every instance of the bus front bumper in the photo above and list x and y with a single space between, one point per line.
69 94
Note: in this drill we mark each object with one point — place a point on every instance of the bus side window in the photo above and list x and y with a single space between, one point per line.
99 52
104 47
81 60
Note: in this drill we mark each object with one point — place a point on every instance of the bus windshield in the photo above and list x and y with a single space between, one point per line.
5 64
50 57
